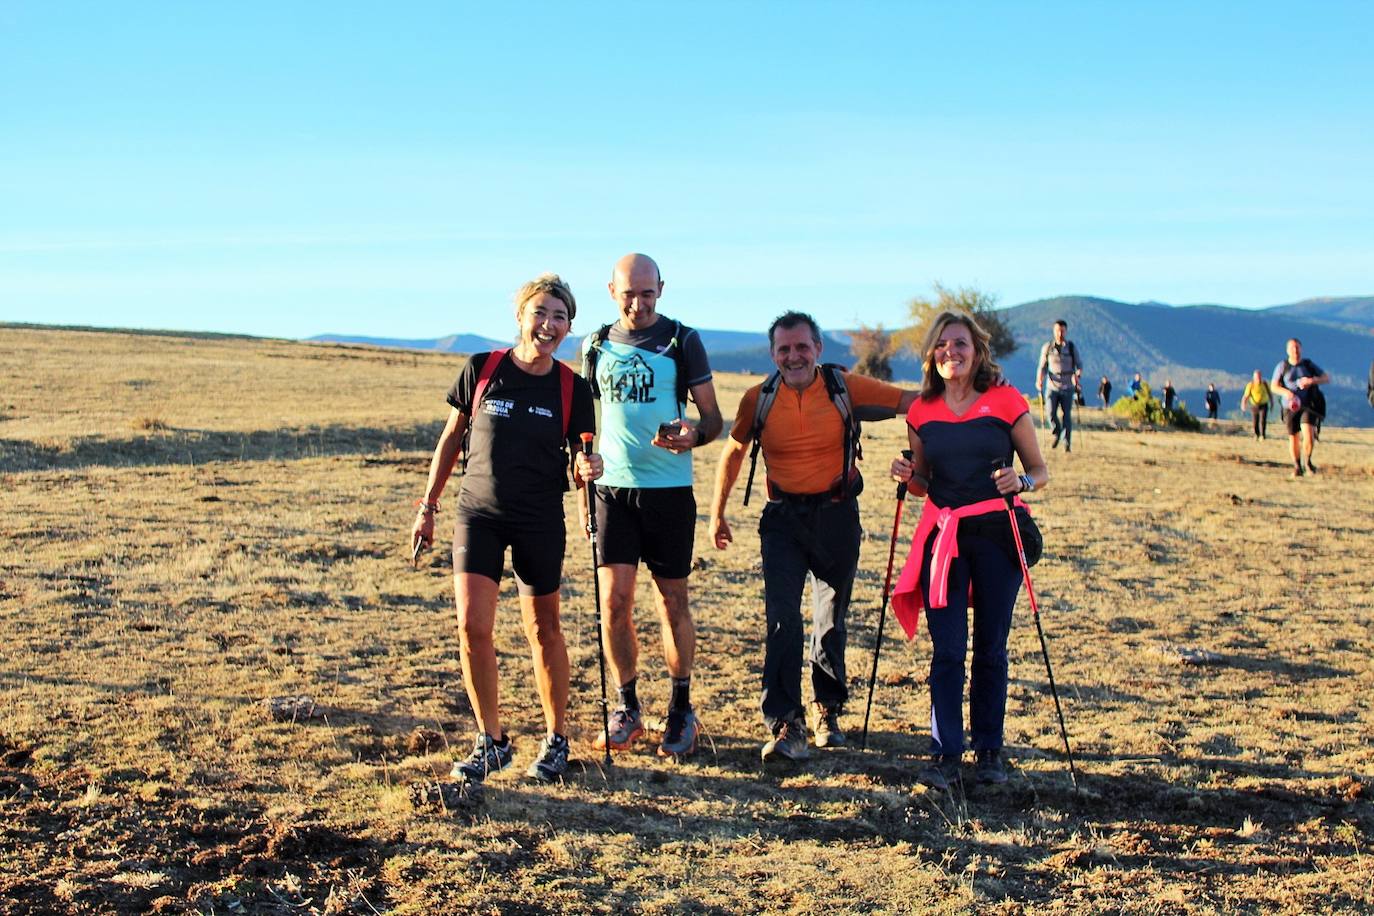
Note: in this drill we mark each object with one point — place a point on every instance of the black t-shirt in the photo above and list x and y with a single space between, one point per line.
517 466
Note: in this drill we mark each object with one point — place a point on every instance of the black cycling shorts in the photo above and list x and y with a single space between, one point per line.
655 524
536 554
1296 419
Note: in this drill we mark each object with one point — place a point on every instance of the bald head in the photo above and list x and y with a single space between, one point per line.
635 287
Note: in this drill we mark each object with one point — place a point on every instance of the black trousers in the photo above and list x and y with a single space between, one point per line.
801 540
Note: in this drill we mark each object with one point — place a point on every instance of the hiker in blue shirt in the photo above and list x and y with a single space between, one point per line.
1295 383
644 367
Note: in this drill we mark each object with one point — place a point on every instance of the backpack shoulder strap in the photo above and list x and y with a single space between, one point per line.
680 362
768 392
565 385
844 403
591 352
494 359
479 391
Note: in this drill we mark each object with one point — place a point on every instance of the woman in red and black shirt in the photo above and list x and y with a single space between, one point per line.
965 423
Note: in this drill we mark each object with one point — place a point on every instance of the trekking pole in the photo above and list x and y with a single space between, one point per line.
1035 614
887 590
596 596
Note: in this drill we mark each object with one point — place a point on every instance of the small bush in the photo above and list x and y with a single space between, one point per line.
151 424
1146 410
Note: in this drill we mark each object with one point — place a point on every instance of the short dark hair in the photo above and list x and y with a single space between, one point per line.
789 320
1062 322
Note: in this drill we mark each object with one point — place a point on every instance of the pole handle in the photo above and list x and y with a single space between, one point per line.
901 487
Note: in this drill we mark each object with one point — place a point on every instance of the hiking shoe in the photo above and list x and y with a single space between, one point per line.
1297 470
827 731
626 725
789 743
988 767
1055 443
552 762
942 772
680 737
487 757
1311 468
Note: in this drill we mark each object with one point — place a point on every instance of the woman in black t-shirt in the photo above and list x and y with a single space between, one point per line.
521 413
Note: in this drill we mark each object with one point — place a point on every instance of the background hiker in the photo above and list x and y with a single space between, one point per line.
1295 384
961 427
1212 401
1169 394
1104 392
809 528
1255 398
1061 371
1137 386
521 412
644 367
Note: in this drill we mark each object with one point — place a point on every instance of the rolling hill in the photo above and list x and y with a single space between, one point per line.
1191 345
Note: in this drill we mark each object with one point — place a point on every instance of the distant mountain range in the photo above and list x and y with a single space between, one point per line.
1192 345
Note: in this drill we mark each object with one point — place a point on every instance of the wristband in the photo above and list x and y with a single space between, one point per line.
1027 483
701 437
428 507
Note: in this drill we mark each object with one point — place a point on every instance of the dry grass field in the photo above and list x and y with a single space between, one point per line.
191 526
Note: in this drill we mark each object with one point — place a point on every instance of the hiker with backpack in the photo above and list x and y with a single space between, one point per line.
805 420
516 416
964 560
1062 370
1255 398
1295 385
644 367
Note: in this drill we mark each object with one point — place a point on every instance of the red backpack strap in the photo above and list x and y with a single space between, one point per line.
494 359
565 382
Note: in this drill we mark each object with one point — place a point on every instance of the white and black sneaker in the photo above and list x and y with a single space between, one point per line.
487 757
552 762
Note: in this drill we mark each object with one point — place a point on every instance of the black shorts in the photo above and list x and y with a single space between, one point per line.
1294 419
655 524
536 554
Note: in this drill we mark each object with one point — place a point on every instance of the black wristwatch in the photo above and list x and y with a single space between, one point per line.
701 437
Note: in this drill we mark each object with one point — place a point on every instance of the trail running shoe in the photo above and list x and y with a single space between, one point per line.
1311 468
552 762
942 772
1297 470
487 757
827 731
627 725
988 767
789 743
680 737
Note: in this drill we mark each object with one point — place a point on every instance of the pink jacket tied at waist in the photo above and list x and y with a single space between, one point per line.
906 597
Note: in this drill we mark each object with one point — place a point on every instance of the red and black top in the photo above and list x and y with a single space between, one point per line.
960 450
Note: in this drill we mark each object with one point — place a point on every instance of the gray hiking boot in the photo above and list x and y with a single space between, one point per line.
680 737
552 762
942 772
988 767
827 731
627 725
487 757
788 743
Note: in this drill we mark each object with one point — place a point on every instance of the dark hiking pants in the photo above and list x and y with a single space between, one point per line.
803 539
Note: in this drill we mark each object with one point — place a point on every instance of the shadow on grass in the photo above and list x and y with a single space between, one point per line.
198 446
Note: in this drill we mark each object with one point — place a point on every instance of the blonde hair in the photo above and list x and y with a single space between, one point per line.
547 283
987 371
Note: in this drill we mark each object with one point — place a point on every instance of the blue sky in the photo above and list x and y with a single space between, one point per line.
398 170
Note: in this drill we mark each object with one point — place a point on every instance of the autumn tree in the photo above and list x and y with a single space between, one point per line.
872 349
982 306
